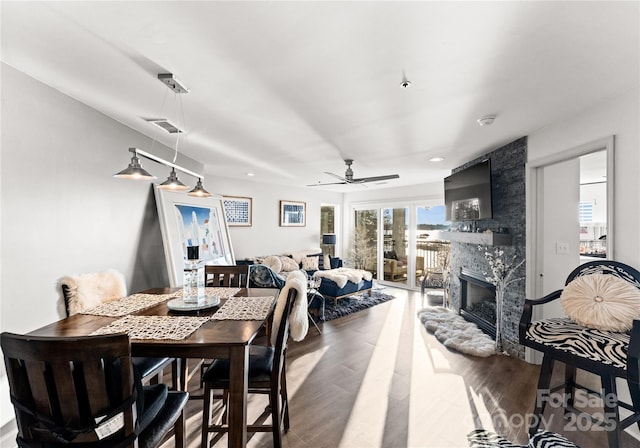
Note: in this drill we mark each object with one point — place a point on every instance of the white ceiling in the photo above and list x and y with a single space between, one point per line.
286 90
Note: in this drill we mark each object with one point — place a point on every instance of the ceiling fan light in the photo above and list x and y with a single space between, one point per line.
172 182
134 171
199 191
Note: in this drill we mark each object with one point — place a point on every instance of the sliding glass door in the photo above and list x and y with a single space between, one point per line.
400 245
364 241
396 244
431 251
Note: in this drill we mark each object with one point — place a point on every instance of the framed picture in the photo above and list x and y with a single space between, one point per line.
237 211
293 214
190 221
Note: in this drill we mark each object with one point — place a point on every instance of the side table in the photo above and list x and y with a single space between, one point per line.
313 284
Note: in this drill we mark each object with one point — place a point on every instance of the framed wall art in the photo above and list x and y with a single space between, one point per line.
237 211
191 221
293 214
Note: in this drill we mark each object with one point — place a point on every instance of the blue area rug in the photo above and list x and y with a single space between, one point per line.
353 304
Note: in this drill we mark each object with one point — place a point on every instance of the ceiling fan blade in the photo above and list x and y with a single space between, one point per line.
346 181
377 178
329 183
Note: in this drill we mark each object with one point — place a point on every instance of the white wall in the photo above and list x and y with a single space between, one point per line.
265 236
619 116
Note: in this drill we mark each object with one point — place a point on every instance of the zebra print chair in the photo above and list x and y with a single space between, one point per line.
608 354
481 438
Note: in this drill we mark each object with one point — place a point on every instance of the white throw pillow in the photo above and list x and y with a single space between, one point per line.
603 302
311 263
273 262
289 264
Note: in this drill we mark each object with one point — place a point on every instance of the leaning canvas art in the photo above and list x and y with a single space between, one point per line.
191 221
200 226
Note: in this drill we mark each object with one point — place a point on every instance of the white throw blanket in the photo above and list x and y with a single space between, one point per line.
89 290
298 320
343 275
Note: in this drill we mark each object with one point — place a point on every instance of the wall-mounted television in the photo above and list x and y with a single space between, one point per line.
467 193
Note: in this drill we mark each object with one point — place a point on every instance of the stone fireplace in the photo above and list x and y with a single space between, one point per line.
478 300
469 291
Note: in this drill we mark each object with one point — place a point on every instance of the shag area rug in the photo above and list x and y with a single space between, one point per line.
352 304
455 332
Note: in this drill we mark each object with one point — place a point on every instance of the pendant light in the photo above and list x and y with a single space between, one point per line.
172 182
134 170
199 191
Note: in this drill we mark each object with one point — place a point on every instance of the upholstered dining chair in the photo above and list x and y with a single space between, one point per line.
266 375
599 335
84 291
84 392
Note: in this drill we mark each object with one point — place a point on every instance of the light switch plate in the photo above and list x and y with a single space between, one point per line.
562 248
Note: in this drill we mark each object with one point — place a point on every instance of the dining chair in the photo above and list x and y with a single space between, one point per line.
84 291
85 392
266 375
227 275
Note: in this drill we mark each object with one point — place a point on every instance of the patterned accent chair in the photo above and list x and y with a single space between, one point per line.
607 354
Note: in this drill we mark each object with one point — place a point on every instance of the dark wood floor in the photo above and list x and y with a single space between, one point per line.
376 378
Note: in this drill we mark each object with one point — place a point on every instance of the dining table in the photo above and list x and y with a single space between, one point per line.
226 337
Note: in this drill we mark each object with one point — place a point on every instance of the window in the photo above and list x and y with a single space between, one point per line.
327 225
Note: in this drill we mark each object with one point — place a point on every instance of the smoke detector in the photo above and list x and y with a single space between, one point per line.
487 120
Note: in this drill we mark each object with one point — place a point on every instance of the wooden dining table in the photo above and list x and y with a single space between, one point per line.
214 339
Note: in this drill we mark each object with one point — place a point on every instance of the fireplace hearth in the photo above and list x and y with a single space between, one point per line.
478 300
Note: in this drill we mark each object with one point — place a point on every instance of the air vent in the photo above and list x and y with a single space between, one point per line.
165 124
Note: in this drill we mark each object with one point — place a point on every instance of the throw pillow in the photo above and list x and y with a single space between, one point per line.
288 264
273 262
311 262
603 302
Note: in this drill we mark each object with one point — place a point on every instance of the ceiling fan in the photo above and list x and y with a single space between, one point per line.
349 179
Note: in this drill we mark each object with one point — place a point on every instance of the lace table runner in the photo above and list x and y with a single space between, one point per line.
222 292
130 304
245 308
154 327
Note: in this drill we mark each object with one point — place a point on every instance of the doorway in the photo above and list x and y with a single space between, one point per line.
569 217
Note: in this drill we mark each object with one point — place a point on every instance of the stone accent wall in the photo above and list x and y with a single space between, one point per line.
508 197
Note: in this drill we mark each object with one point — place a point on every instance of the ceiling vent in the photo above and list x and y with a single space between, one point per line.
165 124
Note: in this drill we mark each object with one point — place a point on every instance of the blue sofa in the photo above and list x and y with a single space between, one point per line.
261 276
329 289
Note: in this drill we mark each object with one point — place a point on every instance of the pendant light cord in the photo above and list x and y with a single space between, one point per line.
164 100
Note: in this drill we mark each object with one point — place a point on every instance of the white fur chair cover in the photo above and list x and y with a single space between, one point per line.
89 290
298 320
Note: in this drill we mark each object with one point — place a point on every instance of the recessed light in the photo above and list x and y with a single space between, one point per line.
487 120
436 159
250 174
